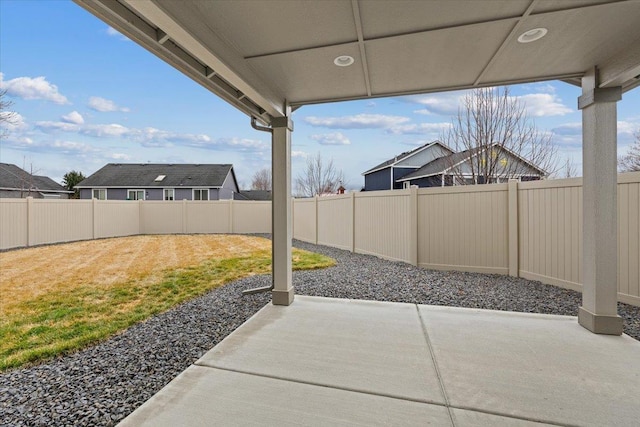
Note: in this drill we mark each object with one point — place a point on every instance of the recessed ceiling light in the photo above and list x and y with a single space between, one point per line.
343 60
532 35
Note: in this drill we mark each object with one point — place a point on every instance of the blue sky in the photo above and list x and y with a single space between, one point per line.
87 96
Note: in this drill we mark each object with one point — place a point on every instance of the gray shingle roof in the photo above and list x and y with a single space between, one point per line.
253 195
438 165
12 177
400 157
144 175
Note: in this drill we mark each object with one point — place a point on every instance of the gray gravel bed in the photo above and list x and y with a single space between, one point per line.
102 384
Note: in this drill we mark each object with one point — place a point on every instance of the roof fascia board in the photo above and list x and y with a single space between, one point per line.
234 69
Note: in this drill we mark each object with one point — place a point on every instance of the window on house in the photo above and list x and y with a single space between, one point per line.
200 194
100 193
135 194
169 194
406 184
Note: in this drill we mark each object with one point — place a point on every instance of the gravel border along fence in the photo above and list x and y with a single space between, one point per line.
102 384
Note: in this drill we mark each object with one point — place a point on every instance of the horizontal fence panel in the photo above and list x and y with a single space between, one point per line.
115 218
160 217
304 220
335 221
251 217
57 221
208 217
13 223
465 228
382 224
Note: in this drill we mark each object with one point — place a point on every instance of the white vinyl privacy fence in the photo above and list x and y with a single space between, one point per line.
532 230
29 222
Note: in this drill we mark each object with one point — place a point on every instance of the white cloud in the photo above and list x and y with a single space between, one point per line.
115 33
73 117
359 121
574 128
105 130
105 105
47 146
626 127
541 104
118 156
336 138
33 88
16 124
544 104
444 104
419 128
239 144
298 154
48 127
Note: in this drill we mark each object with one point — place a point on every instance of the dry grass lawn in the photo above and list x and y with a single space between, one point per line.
59 298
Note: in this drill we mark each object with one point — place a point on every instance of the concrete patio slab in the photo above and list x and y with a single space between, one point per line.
367 346
203 396
324 361
532 366
465 418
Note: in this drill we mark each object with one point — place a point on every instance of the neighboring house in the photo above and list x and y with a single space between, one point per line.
149 181
16 183
385 176
458 168
261 195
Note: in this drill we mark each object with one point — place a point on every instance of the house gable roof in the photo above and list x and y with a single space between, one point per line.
254 195
14 178
404 156
146 175
443 164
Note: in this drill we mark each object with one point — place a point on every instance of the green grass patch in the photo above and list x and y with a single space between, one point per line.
61 322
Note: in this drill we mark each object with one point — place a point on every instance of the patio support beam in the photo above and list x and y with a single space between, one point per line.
599 310
283 292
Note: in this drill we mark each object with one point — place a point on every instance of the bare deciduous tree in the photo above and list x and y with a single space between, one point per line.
495 134
569 169
7 117
631 161
319 177
261 180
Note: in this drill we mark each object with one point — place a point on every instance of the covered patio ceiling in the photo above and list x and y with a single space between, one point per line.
264 55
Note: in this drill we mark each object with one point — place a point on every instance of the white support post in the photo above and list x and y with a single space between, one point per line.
283 291
599 311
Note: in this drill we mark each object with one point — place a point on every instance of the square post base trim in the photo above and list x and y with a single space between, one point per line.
598 323
279 297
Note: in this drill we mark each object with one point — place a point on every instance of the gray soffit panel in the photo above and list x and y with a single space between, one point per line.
261 56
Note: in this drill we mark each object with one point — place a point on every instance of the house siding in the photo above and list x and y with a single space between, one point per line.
183 194
399 173
228 188
379 180
425 156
